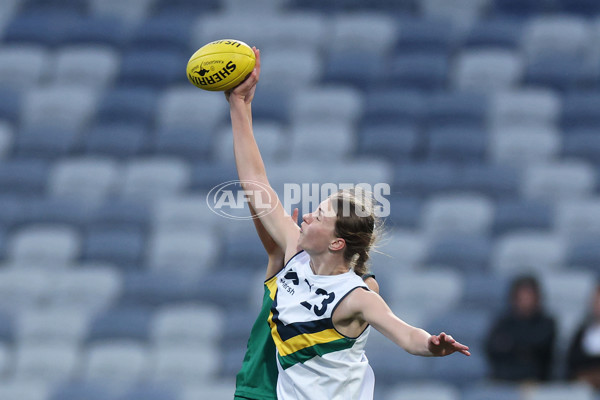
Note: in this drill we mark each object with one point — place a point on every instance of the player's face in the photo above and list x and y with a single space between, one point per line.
317 228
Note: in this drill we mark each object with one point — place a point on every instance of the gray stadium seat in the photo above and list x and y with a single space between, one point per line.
423 391
21 289
528 251
120 364
190 253
375 32
492 391
306 69
152 178
399 250
272 140
336 104
559 180
558 34
6 138
184 364
22 66
81 390
519 146
183 213
430 292
57 325
190 108
527 106
130 11
50 364
67 107
465 252
185 325
457 214
44 245
89 179
212 390
559 391
460 11
24 390
487 70
89 289
94 66
578 218
151 391
305 141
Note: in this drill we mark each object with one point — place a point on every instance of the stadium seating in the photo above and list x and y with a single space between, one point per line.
117 279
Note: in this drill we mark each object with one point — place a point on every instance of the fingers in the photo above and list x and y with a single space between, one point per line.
295 215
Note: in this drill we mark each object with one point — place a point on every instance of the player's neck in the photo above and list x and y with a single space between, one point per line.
327 264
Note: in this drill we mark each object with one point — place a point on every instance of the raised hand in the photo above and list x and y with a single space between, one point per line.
443 345
247 88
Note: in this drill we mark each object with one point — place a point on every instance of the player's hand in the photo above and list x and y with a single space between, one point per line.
443 345
245 90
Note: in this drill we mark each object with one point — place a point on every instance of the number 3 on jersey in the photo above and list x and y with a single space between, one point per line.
319 311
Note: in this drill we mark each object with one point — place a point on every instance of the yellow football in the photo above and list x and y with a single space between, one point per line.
220 65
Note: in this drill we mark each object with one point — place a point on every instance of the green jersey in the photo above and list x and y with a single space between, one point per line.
257 380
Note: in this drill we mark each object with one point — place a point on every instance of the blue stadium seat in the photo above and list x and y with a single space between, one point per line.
78 6
125 322
7 328
244 251
10 104
557 72
233 281
23 66
73 65
461 371
484 290
494 181
497 32
152 68
459 145
206 175
457 108
155 288
579 110
56 211
394 106
405 211
124 215
424 178
23 176
164 32
422 70
487 69
151 391
582 7
272 105
13 211
82 390
460 251
116 139
185 8
126 104
492 391
583 144
467 325
96 30
191 144
46 142
48 28
515 214
390 363
124 248
391 141
425 35
355 68
584 252
26 390
521 7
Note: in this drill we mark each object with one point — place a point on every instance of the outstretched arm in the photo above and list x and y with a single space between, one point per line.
371 308
251 169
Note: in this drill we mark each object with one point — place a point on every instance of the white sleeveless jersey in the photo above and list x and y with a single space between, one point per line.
315 361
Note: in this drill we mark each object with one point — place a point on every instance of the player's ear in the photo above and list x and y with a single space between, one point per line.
337 244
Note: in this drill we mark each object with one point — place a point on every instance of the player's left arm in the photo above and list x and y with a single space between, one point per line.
370 307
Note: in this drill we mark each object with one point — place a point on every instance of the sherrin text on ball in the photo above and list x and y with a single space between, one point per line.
220 65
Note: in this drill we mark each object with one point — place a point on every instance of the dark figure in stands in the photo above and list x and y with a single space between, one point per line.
520 343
